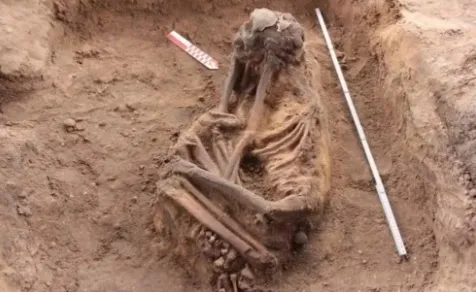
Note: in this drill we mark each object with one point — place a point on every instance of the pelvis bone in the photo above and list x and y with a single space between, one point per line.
244 179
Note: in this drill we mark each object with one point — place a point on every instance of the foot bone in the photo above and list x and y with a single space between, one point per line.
204 211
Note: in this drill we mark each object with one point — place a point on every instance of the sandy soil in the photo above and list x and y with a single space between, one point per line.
92 95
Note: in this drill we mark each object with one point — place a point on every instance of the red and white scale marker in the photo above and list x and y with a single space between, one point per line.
193 50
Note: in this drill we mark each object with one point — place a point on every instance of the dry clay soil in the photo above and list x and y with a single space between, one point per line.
92 95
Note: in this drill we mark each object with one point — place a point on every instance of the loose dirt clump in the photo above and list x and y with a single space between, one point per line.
93 97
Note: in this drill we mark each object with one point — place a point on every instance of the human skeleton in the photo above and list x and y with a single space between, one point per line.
207 190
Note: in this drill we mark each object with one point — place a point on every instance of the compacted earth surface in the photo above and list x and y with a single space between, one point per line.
92 95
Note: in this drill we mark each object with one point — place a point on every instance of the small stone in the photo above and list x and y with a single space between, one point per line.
244 284
141 167
210 252
380 221
24 211
130 107
219 263
467 177
472 193
217 243
69 123
300 238
364 262
24 194
224 251
212 239
52 244
10 186
102 124
80 127
134 199
48 284
359 251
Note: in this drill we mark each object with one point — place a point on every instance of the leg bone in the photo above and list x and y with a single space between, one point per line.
200 213
280 210
223 217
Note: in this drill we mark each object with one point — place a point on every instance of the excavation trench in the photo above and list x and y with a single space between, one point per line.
90 183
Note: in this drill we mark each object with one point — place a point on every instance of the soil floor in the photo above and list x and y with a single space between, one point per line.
92 95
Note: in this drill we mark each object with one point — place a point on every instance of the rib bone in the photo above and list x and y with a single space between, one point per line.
284 143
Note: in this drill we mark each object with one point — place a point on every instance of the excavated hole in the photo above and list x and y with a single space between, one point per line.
138 68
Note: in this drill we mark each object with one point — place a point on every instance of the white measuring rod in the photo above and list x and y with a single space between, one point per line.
360 130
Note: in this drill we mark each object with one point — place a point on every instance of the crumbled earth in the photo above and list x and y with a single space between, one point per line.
92 95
